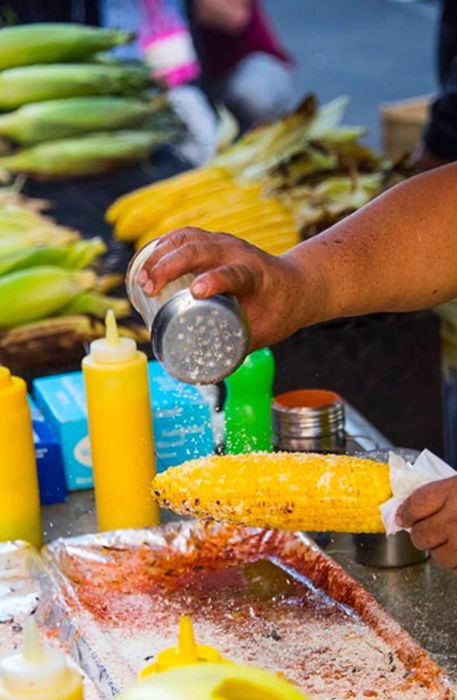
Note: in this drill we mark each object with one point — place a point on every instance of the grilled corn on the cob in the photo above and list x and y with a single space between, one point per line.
27 84
284 491
27 44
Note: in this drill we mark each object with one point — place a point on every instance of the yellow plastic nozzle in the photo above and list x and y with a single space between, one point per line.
112 333
32 652
112 348
187 653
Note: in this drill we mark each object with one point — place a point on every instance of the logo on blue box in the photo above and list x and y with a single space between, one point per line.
181 421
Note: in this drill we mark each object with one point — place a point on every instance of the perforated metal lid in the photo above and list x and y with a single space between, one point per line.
200 341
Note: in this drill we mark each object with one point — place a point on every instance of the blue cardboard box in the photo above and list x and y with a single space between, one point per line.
181 421
51 477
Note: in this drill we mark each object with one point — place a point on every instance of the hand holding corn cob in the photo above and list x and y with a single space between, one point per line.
283 491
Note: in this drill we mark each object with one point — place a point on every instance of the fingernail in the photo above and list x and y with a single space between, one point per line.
200 289
149 287
398 518
143 277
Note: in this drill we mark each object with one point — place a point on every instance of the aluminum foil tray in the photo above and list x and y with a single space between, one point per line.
26 589
270 599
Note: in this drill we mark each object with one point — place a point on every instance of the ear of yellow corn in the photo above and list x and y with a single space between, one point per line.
178 184
154 207
283 491
27 44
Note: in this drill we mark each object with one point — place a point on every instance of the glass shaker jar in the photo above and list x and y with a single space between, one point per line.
198 341
309 420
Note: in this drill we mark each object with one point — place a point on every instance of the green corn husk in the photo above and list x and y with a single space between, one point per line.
261 150
28 44
59 119
11 242
30 295
20 86
97 305
75 256
94 154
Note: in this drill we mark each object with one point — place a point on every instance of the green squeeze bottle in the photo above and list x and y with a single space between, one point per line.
248 405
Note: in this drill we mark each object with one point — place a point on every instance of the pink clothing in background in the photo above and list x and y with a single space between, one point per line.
224 51
166 43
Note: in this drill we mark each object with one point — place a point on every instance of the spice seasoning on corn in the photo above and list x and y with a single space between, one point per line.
289 491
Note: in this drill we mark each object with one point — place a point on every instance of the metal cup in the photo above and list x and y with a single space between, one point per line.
199 341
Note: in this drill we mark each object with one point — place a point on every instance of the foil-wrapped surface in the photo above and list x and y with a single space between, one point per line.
270 599
26 589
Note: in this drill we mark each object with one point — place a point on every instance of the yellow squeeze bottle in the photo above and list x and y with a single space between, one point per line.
187 652
20 516
120 429
38 673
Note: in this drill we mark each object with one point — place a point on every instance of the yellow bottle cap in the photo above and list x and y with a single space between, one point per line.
35 670
112 348
187 653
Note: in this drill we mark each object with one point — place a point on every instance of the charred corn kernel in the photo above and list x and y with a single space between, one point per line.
21 86
58 119
93 154
138 219
27 44
176 184
284 491
29 295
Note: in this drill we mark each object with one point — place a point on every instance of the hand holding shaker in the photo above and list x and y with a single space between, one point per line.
198 341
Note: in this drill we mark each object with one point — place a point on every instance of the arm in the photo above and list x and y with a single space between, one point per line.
398 253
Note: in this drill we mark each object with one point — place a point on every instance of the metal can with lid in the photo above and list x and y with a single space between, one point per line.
198 341
309 420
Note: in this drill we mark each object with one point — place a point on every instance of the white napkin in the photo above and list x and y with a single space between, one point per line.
406 478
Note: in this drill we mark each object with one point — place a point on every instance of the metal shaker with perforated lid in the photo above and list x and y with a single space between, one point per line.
198 341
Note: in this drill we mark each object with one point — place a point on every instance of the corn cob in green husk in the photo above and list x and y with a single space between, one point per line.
28 44
36 293
75 255
93 154
59 119
28 84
